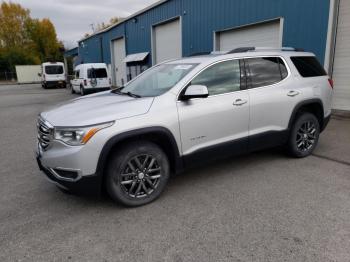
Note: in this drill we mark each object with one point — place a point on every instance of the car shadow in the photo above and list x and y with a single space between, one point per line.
229 166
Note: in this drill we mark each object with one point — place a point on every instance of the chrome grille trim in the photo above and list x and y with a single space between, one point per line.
45 133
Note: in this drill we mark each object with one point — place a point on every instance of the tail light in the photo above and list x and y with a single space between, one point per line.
331 82
85 82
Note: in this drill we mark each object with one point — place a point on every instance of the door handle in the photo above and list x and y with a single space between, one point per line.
239 102
293 93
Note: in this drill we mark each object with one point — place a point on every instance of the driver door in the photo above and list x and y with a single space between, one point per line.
216 125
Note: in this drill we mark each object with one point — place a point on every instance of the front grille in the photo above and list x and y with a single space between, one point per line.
45 133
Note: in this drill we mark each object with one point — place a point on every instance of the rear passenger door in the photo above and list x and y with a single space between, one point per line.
272 100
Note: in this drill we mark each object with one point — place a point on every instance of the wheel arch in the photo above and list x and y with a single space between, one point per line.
159 135
314 106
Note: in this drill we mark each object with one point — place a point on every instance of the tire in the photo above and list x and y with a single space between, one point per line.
82 91
147 178
304 135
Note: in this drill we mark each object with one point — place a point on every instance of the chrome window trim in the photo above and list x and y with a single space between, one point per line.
236 58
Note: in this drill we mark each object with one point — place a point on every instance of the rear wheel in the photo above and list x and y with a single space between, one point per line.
304 135
137 174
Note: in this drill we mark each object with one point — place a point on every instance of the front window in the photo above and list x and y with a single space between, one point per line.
158 80
221 78
54 70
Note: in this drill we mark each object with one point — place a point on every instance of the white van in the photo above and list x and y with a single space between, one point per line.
90 77
53 75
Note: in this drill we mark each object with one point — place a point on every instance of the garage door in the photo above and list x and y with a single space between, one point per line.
341 69
266 34
167 41
119 67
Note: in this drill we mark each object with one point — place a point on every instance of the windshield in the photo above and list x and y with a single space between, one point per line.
54 70
158 80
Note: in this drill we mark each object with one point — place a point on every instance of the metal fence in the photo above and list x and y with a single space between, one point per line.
8 76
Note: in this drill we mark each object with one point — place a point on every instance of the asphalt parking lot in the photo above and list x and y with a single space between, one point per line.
261 207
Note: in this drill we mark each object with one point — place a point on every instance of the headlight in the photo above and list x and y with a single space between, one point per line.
76 136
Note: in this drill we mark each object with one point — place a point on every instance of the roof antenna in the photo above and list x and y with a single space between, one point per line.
93 28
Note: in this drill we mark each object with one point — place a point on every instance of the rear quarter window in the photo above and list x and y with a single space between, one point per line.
308 66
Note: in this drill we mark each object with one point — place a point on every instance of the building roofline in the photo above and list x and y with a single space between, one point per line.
126 19
71 49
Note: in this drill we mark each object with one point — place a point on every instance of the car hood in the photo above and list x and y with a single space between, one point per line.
97 108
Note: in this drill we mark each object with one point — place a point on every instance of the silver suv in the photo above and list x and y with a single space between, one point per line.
129 140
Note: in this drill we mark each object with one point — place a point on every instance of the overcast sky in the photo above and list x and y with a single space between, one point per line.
72 18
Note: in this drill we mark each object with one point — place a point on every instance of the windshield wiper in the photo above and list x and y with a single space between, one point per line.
117 91
131 94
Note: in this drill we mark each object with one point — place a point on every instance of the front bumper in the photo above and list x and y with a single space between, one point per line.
84 185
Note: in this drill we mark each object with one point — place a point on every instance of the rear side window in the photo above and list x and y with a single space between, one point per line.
54 70
97 73
308 66
264 71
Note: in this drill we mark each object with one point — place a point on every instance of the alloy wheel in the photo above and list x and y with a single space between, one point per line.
306 136
141 176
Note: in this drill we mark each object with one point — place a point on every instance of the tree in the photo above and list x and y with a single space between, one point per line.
24 40
13 22
44 40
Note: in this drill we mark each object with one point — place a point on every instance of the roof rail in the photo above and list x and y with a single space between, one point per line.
248 49
297 49
242 50
199 54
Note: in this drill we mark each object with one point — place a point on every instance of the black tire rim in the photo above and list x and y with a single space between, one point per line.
306 136
141 176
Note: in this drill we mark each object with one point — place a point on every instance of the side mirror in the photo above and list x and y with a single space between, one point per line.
195 91
39 74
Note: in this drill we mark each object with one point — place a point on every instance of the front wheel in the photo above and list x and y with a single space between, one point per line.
137 174
304 135
82 91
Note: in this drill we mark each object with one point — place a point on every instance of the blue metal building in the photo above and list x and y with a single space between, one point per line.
175 28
